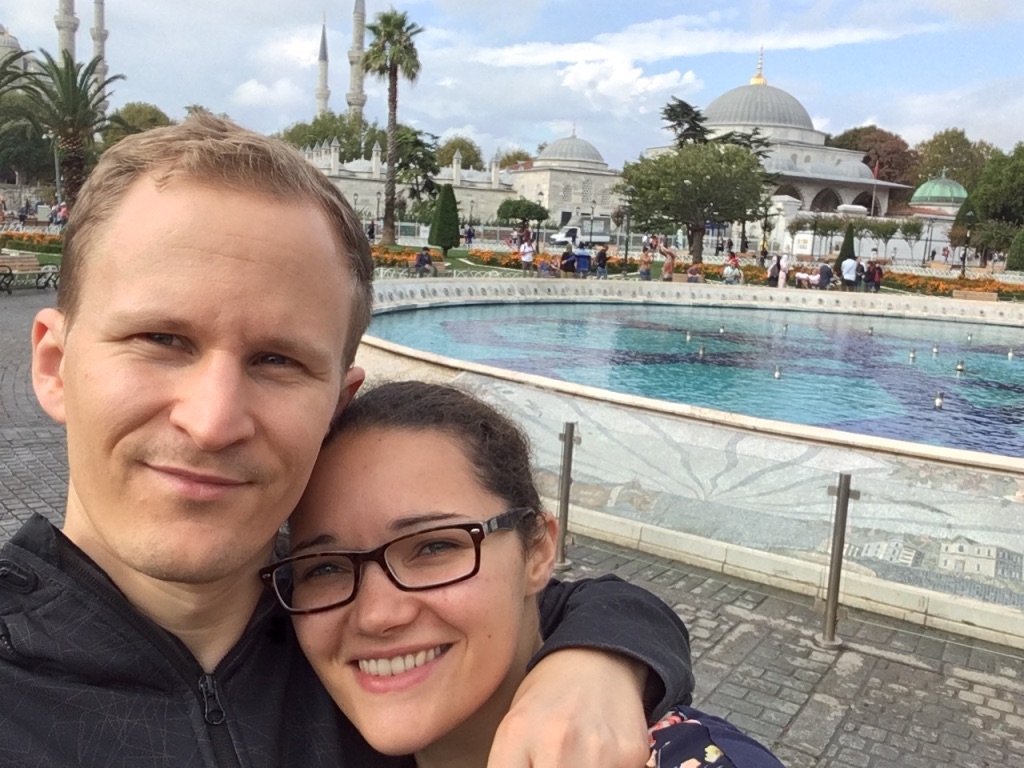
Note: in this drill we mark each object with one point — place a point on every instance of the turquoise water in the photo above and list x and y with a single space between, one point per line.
843 372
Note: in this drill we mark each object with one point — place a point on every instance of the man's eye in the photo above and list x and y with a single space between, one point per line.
272 359
164 339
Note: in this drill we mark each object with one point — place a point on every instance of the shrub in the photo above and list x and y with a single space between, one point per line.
1015 256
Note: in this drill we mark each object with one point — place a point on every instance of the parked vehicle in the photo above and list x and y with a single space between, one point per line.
596 231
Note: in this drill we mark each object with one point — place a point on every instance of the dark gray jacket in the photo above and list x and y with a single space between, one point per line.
85 680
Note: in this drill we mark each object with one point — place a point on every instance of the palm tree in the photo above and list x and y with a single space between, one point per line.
11 73
391 53
66 100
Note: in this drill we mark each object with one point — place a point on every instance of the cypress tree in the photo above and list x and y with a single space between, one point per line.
444 229
846 251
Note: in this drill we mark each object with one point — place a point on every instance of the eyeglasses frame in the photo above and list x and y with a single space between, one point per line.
478 531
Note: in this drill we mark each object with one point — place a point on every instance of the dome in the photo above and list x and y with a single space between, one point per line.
940 190
758 105
8 42
571 148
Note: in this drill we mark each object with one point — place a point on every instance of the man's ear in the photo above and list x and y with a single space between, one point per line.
540 559
353 380
48 339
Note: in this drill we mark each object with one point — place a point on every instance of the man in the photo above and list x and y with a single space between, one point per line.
848 268
824 276
601 262
582 260
567 262
214 290
732 274
526 256
424 264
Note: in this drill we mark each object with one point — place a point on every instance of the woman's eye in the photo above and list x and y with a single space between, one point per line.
330 569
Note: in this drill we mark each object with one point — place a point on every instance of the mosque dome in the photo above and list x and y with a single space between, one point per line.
758 105
572 149
8 42
939 191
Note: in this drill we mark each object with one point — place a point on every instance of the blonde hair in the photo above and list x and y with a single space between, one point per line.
212 150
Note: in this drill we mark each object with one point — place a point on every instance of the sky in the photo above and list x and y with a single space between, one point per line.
518 74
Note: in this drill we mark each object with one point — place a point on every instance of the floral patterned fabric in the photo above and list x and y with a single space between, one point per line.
688 738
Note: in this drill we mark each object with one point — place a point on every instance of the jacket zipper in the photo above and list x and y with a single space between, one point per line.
185 664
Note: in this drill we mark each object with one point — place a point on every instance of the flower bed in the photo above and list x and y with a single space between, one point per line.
33 242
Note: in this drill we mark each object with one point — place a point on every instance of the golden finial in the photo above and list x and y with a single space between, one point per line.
758 79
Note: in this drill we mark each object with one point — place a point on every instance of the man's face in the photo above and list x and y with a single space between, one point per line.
197 378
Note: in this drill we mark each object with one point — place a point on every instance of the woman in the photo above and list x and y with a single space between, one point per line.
425 658
646 261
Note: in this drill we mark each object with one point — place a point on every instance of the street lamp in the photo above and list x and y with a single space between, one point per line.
628 207
969 217
471 204
378 204
540 202
56 164
593 207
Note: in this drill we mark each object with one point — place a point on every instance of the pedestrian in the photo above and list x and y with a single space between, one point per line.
203 371
582 261
858 276
601 261
425 264
526 256
824 276
645 264
567 263
784 263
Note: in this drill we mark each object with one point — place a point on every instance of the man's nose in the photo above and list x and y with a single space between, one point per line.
213 405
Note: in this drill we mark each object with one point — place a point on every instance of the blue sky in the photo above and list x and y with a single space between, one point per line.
519 73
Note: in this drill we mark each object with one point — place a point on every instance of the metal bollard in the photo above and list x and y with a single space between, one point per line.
843 494
569 439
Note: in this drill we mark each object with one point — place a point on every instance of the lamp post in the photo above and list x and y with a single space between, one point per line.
56 164
969 217
628 209
540 222
471 204
378 204
593 207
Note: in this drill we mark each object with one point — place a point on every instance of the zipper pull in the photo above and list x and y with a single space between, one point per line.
213 712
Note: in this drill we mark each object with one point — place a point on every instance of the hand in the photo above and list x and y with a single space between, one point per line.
578 708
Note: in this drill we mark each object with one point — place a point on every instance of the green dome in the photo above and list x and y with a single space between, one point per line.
940 190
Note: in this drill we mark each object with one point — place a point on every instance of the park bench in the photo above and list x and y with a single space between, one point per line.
23 270
975 295
439 268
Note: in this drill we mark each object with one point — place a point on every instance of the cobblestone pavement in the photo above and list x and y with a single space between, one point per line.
893 695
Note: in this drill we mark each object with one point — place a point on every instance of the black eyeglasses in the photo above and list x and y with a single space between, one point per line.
437 557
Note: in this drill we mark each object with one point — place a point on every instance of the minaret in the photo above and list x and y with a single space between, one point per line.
356 97
99 41
323 93
67 25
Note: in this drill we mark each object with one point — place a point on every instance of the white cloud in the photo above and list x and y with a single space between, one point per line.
280 93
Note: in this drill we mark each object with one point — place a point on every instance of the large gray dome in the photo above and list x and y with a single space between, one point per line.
757 105
8 42
571 148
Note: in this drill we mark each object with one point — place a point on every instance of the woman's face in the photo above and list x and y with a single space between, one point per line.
463 647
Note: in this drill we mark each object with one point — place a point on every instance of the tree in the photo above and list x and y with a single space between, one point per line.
694 185
911 231
993 236
687 123
521 210
134 117
417 163
471 154
444 230
846 250
355 136
510 157
887 154
391 53
65 100
951 153
882 230
25 155
12 75
827 227
1015 256
999 193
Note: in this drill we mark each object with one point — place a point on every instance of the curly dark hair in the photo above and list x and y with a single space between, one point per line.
495 445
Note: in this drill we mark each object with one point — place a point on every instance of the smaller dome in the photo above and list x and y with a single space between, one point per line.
571 148
8 41
940 190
